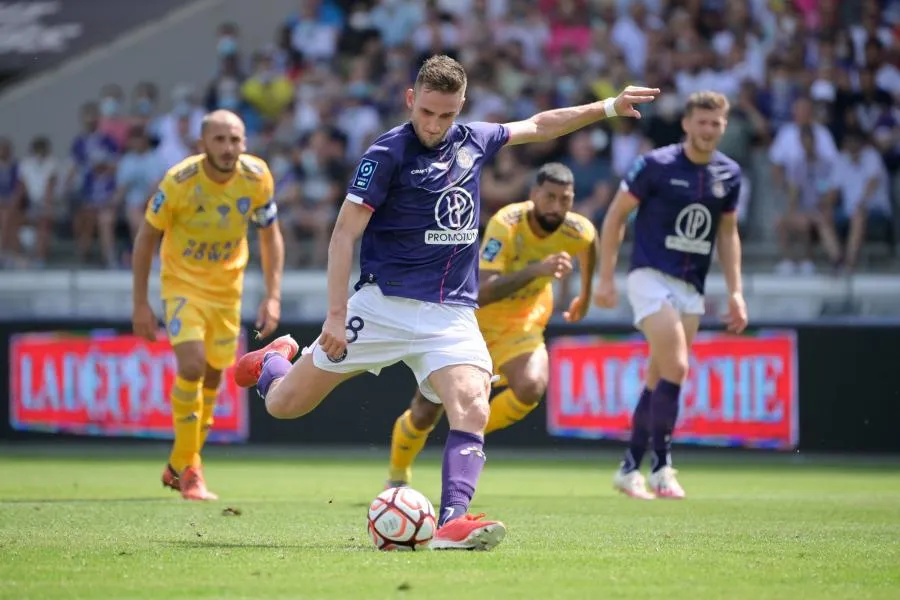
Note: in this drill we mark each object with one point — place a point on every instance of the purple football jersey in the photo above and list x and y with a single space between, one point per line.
681 203
422 240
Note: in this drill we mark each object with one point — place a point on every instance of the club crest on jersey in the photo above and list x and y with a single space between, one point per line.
243 205
455 216
364 173
692 228
464 158
718 189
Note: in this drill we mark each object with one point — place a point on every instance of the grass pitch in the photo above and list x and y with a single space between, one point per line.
97 524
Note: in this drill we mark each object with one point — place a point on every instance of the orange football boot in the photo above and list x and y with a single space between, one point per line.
170 478
193 486
249 366
469 532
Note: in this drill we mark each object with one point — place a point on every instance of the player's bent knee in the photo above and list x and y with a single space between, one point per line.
424 414
475 418
529 390
674 370
192 367
469 410
212 377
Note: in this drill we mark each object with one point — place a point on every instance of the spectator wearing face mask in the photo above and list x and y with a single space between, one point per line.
224 91
228 45
113 120
144 105
185 107
39 172
140 171
89 148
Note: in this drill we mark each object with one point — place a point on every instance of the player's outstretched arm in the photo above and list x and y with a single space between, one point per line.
611 235
350 224
145 245
552 124
271 251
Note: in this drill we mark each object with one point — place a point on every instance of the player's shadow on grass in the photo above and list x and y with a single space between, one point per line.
199 543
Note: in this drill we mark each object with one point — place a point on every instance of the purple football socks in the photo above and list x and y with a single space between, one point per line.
275 366
664 414
463 460
640 433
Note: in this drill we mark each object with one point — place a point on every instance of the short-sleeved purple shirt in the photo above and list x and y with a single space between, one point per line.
422 240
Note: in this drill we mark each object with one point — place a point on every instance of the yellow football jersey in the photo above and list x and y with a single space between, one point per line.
204 223
510 245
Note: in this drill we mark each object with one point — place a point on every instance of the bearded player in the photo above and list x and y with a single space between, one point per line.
201 212
525 247
685 196
415 201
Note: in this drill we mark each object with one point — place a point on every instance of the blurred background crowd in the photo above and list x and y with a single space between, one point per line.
814 86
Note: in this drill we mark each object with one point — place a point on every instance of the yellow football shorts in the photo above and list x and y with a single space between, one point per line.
506 344
189 320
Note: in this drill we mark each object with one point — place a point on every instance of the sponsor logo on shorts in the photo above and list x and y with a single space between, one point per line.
340 358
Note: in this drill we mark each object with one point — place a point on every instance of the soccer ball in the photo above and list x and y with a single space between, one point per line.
401 518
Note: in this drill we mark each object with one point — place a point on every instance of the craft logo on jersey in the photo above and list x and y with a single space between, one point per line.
692 227
455 215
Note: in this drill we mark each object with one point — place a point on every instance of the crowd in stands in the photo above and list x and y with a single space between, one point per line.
814 84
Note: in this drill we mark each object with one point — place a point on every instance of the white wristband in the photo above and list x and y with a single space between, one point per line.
609 107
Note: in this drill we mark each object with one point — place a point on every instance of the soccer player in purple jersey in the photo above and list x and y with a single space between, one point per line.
414 199
685 196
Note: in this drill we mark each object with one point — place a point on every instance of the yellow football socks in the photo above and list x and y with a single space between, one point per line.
207 415
406 443
187 406
506 409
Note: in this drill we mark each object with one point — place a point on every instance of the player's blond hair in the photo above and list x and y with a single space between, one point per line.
441 73
706 101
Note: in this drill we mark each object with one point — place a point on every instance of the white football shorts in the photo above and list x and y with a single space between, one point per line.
426 336
649 289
